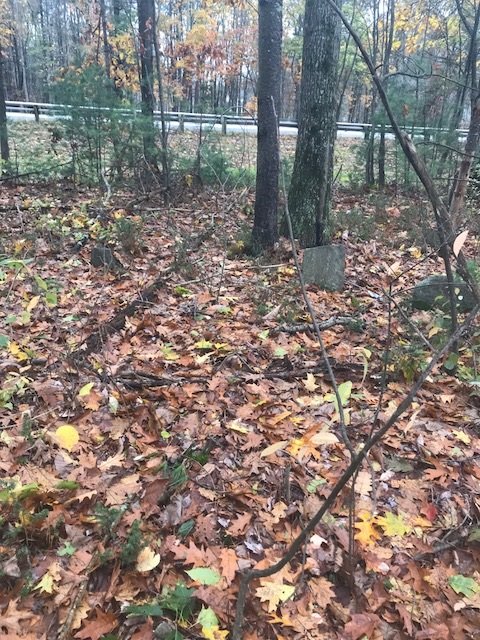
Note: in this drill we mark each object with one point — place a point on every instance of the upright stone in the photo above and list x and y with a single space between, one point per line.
325 266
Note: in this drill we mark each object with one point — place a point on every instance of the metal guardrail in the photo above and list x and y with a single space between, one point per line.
37 109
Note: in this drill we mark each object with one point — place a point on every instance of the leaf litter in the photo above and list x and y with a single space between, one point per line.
195 438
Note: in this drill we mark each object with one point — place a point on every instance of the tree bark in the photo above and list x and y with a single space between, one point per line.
309 198
146 23
265 228
4 148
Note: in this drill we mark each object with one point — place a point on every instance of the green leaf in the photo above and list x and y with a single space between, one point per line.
466 586
15 263
4 341
41 284
312 486
145 610
204 575
67 485
451 362
185 528
85 390
51 299
474 535
345 391
68 550
26 491
280 352
179 600
207 618
203 344
401 465
263 335
183 291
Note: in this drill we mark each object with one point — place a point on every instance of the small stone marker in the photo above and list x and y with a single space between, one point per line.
325 266
103 257
432 293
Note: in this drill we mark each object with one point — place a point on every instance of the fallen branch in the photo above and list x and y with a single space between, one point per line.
353 323
96 339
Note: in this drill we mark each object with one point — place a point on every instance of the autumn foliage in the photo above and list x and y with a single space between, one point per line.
145 464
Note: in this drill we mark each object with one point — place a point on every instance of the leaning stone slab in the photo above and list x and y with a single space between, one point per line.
103 257
325 266
432 293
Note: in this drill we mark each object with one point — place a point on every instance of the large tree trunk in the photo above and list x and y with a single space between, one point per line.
310 191
4 148
146 23
265 228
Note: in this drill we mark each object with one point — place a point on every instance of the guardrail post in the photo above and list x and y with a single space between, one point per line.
36 112
181 123
223 122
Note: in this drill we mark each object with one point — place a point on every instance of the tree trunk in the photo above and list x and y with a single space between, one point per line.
310 191
265 228
146 22
106 46
4 148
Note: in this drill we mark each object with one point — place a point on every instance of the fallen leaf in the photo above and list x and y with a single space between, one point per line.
273 448
204 575
67 436
147 560
274 593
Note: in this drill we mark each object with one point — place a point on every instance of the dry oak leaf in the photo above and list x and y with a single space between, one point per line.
240 525
323 591
10 619
361 624
274 593
229 564
118 493
95 629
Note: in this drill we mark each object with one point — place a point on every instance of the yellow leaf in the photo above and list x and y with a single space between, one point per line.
310 383
67 436
415 252
16 351
463 437
274 593
147 560
85 390
236 425
393 525
46 584
33 303
367 532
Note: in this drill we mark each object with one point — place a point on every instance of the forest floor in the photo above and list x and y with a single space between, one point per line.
151 451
